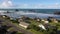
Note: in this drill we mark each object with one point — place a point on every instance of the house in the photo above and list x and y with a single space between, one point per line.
48 26
5 16
11 18
46 21
55 21
24 24
42 20
37 19
25 18
52 19
42 26
20 20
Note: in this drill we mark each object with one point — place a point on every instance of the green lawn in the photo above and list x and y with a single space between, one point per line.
34 22
35 32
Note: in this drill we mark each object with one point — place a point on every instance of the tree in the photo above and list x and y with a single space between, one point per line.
51 30
15 32
3 29
34 27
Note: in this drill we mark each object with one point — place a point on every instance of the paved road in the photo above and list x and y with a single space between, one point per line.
15 27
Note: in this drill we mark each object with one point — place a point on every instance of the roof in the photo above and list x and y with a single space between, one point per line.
42 26
23 23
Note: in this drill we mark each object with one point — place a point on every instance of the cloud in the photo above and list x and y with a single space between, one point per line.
9 4
56 5
6 4
40 6
31 6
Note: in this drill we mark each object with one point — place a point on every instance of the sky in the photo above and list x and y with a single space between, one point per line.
31 4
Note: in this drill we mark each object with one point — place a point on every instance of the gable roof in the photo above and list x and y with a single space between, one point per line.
23 23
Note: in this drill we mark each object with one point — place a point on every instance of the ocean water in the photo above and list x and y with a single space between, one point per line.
39 13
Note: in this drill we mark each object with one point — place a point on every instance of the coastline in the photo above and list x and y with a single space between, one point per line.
31 15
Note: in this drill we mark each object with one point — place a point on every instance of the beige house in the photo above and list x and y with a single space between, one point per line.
24 24
46 21
54 20
4 16
42 20
38 19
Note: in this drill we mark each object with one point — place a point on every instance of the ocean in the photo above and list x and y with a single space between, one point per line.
38 13
49 11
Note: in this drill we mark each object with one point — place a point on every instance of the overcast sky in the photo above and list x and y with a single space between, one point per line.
40 4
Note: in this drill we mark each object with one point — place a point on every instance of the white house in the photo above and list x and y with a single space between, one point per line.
23 24
11 18
38 19
43 20
42 26
4 16
46 21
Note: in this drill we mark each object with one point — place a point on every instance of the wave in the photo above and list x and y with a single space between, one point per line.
30 14
27 13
